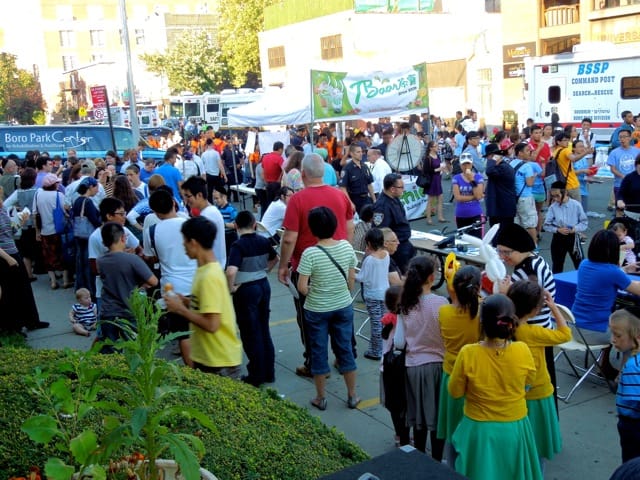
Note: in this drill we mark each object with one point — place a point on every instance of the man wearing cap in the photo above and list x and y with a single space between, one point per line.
500 198
88 169
473 140
356 179
389 212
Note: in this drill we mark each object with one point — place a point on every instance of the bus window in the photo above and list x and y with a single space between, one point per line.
176 110
191 110
630 88
554 94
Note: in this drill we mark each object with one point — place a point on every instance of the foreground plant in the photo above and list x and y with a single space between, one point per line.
133 419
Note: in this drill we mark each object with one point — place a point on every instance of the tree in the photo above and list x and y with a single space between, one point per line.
195 63
20 92
240 22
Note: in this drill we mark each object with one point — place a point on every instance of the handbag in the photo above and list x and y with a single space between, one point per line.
59 216
424 176
82 227
393 379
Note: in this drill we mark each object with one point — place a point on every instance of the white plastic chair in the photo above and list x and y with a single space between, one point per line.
593 355
355 295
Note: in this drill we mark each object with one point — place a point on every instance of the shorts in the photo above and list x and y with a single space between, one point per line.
526 215
540 197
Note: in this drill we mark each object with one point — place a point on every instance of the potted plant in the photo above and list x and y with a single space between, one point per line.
92 433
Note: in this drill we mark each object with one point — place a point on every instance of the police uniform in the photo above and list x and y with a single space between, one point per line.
356 180
389 212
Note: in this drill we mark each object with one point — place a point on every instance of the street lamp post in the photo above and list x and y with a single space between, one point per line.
135 127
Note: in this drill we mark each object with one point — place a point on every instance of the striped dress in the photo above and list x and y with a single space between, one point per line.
536 267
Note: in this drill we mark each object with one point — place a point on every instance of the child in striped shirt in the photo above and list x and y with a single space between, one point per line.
83 314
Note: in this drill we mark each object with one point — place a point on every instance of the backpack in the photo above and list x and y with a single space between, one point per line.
553 172
515 171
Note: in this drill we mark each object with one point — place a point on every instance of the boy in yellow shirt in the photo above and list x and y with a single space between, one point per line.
215 346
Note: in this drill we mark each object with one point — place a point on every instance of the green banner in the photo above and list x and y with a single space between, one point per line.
352 95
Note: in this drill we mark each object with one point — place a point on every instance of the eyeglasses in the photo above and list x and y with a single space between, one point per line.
503 252
122 214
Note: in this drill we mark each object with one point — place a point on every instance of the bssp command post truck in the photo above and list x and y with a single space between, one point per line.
596 81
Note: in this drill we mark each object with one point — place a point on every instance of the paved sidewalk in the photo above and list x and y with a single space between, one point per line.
588 423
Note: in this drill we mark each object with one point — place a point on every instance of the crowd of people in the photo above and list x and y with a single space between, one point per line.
477 374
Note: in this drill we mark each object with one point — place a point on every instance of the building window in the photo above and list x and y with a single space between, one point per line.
64 13
139 36
69 62
67 38
331 47
485 77
276 57
492 6
97 57
630 88
97 38
95 13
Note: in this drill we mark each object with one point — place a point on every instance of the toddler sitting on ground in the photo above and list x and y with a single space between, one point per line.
83 315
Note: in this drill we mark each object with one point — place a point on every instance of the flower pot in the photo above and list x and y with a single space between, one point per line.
169 471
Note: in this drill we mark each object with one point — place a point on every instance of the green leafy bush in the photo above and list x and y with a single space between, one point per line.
257 435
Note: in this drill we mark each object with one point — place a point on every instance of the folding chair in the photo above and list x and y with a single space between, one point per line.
593 355
357 293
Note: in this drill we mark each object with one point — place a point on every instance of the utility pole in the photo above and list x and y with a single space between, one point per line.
133 116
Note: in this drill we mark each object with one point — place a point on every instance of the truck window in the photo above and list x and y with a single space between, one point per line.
630 88
554 94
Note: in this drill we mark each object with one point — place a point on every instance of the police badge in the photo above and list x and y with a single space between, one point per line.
378 217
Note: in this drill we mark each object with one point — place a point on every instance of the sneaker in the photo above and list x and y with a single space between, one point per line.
303 371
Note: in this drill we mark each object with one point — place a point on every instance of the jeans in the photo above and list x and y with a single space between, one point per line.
406 251
629 431
251 302
338 324
84 278
300 319
109 329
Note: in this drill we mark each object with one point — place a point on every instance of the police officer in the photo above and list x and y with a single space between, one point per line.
389 212
356 180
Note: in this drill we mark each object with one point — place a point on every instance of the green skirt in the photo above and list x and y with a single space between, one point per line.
546 428
451 410
496 450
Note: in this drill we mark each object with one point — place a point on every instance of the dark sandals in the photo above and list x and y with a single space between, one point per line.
319 403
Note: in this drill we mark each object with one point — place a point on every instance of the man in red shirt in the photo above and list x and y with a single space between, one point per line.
297 234
272 171
541 152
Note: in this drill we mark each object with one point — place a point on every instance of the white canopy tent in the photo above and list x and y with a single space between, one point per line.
276 107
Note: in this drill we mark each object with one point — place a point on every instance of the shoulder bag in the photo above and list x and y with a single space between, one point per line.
59 216
82 227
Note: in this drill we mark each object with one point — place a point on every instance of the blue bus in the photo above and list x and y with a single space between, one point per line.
89 141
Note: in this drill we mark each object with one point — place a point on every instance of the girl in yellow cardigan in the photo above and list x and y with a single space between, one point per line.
494 439
459 326
529 298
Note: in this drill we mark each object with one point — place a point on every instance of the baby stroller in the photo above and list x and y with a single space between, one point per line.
631 220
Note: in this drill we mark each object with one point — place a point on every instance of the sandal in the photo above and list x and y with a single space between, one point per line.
319 403
443 220
353 402
54 286
67 285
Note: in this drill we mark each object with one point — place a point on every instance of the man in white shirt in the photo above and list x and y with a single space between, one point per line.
133 175
177 268
88 169
111 210
379 169
194 192
213 168
274 216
